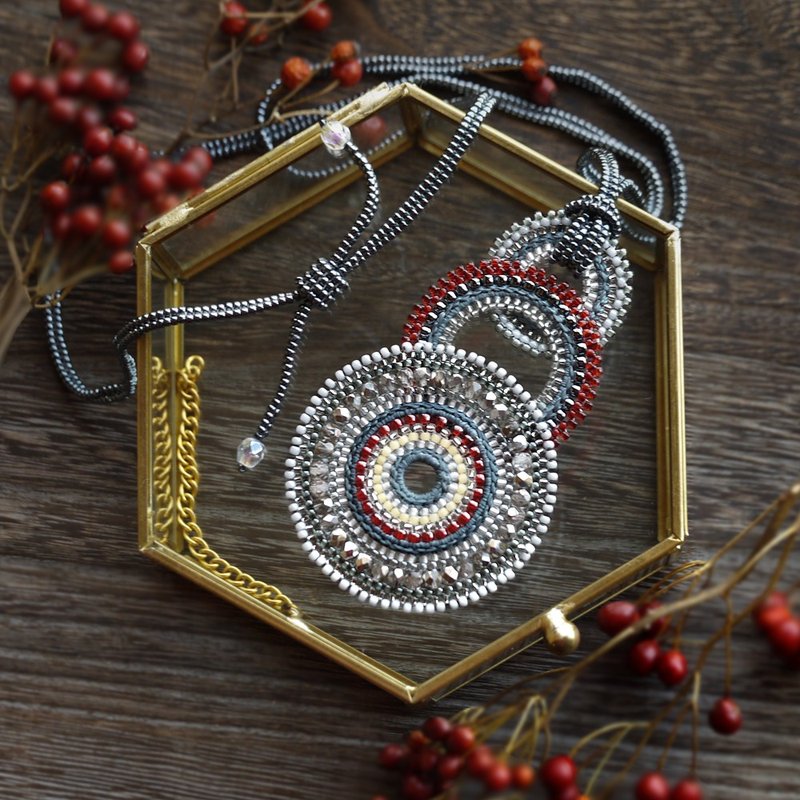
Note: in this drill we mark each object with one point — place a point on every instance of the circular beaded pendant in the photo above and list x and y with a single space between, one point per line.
473 432
552 311
606 282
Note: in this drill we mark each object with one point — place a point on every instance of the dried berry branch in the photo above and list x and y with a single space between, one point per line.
491 750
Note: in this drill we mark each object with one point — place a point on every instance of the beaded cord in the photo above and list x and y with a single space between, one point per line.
318 287
460 75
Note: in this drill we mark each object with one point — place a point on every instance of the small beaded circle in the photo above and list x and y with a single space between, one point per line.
552 309
606 282
475 430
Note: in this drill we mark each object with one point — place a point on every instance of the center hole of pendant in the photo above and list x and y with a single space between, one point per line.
421 477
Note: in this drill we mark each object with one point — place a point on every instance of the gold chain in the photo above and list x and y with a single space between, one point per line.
189 484
162 448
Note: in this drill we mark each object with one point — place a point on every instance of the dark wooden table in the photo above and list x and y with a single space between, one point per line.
118 679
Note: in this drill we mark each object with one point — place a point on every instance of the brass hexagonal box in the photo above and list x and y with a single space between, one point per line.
621 509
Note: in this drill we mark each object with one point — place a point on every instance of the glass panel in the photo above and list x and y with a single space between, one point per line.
606 511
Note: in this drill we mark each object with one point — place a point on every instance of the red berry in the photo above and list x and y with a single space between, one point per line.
97 141
94 18
46 89
116 233
123 147
117 198
140 158
185 175
416 740
652 786
522 776
770 616
201 158
22 84
258 33
163 165
61 225
392 755
71 165
687 789
785 637
70 80
437 728
99 84
121 119
529 48
534 69
72 8
725 716
371 131
63 111
660 624
643 656
544 92
461 739
774 608
150 182
55 196
672 667
616 616
318 17
122 88
295 72
498 777
416 788
450 767
62 51
571 792
165 202
346 50
479 760
558 772
123 26
424 761
121 261
135 56
348 73
86 220
89 117
101 170
234 18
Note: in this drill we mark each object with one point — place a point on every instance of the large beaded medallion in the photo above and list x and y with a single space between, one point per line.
462 422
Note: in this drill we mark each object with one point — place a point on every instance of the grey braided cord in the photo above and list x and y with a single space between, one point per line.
320 286
460 74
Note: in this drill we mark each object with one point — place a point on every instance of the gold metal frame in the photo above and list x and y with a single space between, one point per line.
159 534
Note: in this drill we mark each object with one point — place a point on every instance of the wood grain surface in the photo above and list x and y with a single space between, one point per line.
119 679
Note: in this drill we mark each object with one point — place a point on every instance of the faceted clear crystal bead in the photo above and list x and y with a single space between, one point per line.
250 452
335 136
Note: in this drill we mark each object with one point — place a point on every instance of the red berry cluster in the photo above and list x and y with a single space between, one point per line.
646 655
109 183
559 775
654 786
774 617
235 21
347 68
95 19
534 69
432 758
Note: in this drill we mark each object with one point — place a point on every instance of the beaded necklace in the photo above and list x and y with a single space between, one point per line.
490 444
